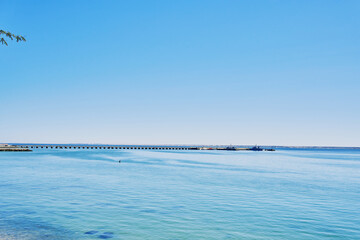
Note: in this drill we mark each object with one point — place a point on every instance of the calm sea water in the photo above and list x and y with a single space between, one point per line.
88 194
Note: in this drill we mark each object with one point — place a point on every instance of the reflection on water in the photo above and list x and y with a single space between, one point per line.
88 194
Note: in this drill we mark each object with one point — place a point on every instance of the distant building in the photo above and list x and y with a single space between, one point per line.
5 145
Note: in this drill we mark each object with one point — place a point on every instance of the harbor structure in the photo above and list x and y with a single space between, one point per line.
133 147
12 148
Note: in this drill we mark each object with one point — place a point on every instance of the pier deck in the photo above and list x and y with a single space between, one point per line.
129 147
109 147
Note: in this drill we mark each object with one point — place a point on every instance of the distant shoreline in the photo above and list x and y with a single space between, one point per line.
185 145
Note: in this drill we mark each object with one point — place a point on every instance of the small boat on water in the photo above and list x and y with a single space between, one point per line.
229 148
256 148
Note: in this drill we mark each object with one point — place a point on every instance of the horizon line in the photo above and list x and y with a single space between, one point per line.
106 144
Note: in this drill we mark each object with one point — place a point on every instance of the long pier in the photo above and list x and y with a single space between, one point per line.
109 147
134 147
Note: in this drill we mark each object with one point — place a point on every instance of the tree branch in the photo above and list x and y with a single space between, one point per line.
6 34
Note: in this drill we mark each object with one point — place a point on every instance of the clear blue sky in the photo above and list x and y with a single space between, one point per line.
181 72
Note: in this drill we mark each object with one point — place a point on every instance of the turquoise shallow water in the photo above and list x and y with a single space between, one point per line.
87 194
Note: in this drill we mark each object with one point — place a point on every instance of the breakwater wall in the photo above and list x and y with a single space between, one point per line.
14 149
